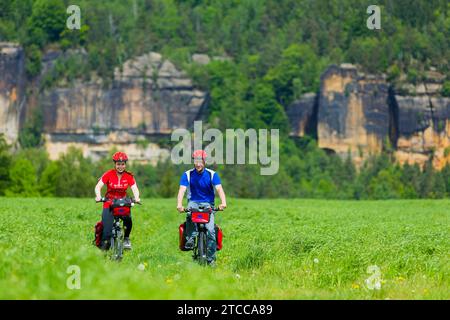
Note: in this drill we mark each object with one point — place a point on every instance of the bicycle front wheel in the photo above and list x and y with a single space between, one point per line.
116 248
202 247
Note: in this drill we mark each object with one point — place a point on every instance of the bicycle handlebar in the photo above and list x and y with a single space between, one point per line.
103 199
213 209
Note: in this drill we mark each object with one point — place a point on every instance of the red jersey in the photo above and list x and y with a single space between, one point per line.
116 188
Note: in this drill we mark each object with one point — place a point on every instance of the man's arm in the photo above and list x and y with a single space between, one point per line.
180 197
222 197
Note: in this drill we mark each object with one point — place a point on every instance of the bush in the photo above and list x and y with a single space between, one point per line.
75 176
446 89
30 135
5 160
33 60
23 179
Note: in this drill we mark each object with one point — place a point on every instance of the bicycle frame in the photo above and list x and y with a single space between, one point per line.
200 217
117 239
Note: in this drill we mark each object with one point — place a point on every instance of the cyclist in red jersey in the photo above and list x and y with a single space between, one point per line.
117 181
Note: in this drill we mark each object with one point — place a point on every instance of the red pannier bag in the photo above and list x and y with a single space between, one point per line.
98 233
121 211
182 234
182 237
219 236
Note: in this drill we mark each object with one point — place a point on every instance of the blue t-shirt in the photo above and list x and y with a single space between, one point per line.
200 185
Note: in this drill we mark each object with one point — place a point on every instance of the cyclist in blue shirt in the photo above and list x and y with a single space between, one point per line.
200 183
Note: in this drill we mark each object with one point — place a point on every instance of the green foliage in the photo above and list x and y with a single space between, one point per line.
37 156
386 185
332 30
168 185
5 160
33 60
74 38
304 171
275 50
297 72
146 179
393 73
23 179
446 89
49 180
413 75
75 176
447 152
432 184
30 134
48 18
67 68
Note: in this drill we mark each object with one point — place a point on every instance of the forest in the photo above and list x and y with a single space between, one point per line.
272 52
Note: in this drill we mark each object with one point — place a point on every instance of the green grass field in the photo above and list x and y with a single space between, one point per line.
273 249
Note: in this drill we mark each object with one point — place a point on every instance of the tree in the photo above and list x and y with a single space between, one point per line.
31 134
168 184
48 17
297 72
386 185
146 178
33 60
410 178
75 177
5 160
23 179
49 180
446 178
446 89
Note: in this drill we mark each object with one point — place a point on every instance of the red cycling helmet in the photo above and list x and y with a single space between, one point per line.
199 154
120 156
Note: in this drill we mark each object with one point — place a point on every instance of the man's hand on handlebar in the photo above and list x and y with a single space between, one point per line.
182 209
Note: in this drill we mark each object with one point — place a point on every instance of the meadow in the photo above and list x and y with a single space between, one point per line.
273 249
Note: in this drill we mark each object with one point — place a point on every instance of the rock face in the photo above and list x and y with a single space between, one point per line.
360 114
423 118
12 89
148 97
302 115
98 147
353 112
201 58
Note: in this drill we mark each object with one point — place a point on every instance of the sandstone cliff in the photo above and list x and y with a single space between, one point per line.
303 115
353 113
362 114
148 97
423 122
12 89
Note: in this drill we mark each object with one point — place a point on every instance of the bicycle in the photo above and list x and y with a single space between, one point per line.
119 207
201 217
